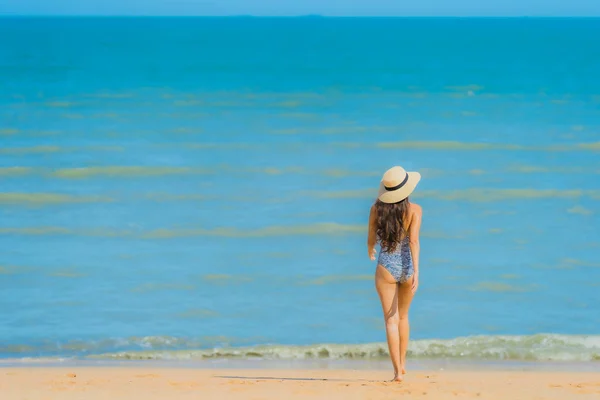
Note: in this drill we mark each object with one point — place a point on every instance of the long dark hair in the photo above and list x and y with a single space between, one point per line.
390 223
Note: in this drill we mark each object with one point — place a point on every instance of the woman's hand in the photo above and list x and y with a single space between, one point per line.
415 284
372 254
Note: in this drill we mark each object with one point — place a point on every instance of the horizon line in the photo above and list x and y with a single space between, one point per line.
324 16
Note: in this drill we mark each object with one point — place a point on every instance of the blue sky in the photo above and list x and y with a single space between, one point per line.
303 7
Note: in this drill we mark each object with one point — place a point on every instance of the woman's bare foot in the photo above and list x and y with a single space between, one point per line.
397 378
403 371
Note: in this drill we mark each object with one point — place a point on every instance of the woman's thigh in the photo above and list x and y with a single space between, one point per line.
387 288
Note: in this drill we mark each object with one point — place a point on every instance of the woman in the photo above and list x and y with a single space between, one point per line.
394 222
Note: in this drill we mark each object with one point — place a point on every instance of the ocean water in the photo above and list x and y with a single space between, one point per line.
199 188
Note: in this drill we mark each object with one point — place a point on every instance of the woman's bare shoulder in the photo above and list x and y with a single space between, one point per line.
373 211
416 209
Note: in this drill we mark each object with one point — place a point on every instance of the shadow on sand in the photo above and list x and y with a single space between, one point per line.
273 378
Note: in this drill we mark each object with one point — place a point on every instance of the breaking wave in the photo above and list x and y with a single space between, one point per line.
541 347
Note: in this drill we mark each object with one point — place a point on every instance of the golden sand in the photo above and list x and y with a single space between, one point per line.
95 383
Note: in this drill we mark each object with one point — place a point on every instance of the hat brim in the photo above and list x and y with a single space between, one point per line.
394 196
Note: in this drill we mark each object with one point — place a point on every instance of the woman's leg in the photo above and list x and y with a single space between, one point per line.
405 296
387 288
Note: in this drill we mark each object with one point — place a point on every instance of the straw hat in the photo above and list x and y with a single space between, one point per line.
397 184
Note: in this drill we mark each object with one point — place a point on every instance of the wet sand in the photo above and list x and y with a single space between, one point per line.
95 383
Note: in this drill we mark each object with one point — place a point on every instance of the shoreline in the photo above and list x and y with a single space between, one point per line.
310 365
154 383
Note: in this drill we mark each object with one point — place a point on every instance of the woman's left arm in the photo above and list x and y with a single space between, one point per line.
415 246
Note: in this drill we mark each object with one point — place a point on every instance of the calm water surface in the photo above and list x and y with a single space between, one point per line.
193 188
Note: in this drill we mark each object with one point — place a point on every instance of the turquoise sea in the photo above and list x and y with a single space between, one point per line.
198 188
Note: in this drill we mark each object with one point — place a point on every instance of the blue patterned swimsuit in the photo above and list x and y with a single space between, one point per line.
399 263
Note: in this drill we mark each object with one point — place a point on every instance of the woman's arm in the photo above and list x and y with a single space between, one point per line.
415 247
372 236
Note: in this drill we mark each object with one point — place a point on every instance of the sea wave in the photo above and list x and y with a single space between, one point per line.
522 348
540 347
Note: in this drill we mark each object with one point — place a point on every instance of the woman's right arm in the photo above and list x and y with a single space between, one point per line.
372 236
415 247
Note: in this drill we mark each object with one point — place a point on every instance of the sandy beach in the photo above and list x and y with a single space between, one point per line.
160 383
